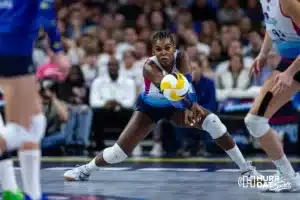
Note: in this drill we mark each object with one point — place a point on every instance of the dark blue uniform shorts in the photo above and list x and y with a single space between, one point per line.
154 113
11 66
284 64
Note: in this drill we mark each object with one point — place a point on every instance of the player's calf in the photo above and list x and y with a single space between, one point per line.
29 156
213 125
7 174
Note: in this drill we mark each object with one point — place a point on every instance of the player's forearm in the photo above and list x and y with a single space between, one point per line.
62 110
294 67
266 46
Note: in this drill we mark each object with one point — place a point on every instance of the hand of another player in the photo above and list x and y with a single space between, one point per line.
283 81
257 65
62 62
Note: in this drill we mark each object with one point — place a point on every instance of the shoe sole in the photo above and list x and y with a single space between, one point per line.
67 178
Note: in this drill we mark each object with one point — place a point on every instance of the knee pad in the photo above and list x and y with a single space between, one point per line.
257 126
16 135
213 125
114 154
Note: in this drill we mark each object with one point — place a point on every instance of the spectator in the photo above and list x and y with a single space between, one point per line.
74 52
230 13
207 70
128 44
245 26
131 10
78 127
192 52
129 70
215 55
156 21
254 12
233 82
201 11
89 65
56 113
141 53
207 32
112 98
109 50
204 87
255 44
141 22
191 38
234 48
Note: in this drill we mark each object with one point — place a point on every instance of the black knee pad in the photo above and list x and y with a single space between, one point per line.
264 104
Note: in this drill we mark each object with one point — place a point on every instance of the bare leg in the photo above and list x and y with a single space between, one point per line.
268 139
212 124
24 117
136 130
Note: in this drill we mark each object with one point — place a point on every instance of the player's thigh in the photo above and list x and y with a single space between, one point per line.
267 104
138 127
17 79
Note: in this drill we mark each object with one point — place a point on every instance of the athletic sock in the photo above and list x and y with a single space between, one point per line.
236 155
7 172
7 175
30 161
92 165
284 166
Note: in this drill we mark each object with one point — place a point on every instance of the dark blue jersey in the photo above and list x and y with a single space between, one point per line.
20 21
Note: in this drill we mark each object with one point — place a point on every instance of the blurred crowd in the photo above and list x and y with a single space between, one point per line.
108 41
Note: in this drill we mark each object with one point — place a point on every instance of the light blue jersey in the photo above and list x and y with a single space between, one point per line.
284 33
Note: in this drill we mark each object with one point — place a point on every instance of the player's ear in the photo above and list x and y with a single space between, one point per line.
153 54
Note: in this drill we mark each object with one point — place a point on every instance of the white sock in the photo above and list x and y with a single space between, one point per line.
8 176
92 165
284 166
236 155
30 162
38 124
7 172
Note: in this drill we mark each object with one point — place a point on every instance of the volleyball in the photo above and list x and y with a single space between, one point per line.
174 86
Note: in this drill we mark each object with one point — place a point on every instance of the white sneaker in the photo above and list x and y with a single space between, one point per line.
283 183
157 150
251 174
137 151
80 173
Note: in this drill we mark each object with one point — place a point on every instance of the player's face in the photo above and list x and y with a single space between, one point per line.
164 51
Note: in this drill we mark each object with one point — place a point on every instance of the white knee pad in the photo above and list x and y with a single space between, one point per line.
213 125
257 126
15 135
114 154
